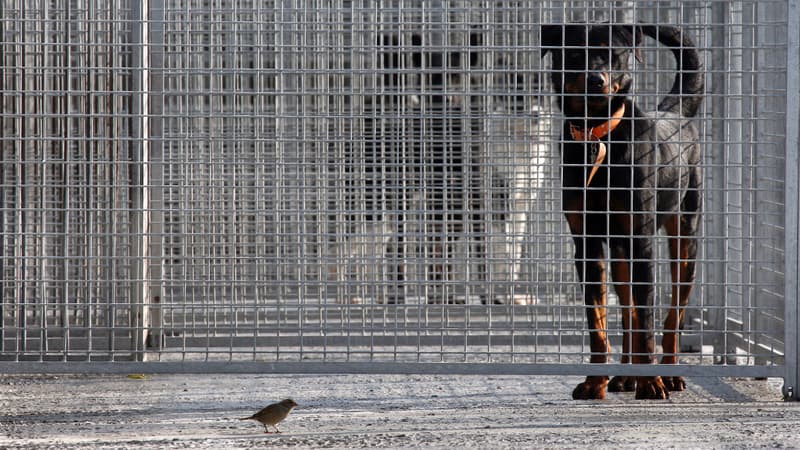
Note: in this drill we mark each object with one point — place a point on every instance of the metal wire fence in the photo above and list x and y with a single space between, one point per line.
219 184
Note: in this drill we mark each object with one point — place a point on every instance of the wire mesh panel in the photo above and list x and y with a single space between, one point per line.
364 182
365 177
68 156
355 181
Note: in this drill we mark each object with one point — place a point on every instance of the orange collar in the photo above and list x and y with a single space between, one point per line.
595 134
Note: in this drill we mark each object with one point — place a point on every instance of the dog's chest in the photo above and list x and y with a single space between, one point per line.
634 177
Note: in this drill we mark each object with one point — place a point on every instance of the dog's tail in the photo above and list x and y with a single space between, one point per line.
687 91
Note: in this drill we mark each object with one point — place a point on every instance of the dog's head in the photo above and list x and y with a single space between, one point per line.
590 65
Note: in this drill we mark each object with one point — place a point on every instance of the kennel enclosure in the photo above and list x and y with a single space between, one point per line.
233 185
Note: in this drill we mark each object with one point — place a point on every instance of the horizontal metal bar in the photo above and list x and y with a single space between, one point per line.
392 368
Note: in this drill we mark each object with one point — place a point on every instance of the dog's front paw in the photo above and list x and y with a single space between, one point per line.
651 388
622 384
674 384
594 388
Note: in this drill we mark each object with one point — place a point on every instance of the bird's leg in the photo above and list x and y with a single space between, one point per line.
276 429
266 430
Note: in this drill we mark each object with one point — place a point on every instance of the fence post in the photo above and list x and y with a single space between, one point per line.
716 194
155 41
139 174
792 205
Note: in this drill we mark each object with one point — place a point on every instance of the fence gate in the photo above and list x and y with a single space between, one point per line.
354 186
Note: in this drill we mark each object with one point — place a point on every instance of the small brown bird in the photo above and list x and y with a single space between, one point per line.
273 414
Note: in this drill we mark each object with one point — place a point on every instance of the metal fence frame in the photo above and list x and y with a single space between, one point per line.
144 335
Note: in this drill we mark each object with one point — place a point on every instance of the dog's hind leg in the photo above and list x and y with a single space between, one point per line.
683 252
642 290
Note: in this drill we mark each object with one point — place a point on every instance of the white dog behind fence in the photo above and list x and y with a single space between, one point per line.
518 152
395 259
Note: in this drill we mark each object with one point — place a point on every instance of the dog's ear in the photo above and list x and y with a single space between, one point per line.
552 36
630 36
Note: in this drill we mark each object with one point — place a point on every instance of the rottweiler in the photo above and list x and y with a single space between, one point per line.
626 174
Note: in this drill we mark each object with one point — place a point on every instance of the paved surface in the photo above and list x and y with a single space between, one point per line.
346 411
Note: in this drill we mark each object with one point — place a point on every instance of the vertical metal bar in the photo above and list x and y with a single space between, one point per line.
114 190
5 120
217 189
139 174
91 222
717 194
748 85
41 252
286 114
227 84
792 205
65 144
20 259
155 43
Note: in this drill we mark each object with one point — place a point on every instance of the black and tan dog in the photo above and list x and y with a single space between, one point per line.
626 174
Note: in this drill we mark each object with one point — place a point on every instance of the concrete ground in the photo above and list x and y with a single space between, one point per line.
419 411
